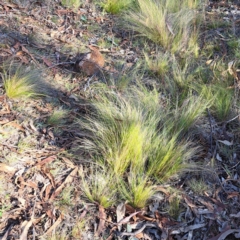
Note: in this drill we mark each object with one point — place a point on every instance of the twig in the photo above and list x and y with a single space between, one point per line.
232 119
211 133
61 63
139 230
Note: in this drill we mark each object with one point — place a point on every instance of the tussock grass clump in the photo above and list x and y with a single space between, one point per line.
168 23
198 186
221 98
116 6
99 187
134 135
137 190
175 208
189 111
122 128
71 3
159 64
22 84
58 117
168 157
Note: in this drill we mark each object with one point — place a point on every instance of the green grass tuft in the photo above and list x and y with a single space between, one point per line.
58 117
99 187
22 84
137 190
167 23
221 98
159 64
174 206
186 113
130 133
116 6
71 3
198 186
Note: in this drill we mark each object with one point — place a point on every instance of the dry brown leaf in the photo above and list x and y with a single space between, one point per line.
206 203
31 124
59 220
46 160
27 224
120 211
49 175
189 202
2 98
15 125
68 179
164 221
164 190
24 59
47 62
127 219
233 194
235 215
223 235
129 208
47 192
142 217
26 227
102 216
83 214
5 237
139 230
68 162
139 235
11 5
29 183
110 237
5 112
4 121
63 11
50 214
7 169
26 51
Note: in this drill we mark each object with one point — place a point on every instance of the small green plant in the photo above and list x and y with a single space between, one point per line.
22 84
198 186
137 190
234 46
25 144
66 196
116 6
192 4
182 72
99 187
167 158
56 236
124 75
221 98
216 22
71 3
129 133
58 117
166 22
4 208
174 206
227 152
159 64
78 228
12 158
5 189
192 108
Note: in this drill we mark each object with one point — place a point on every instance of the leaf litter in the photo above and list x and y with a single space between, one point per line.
35 173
